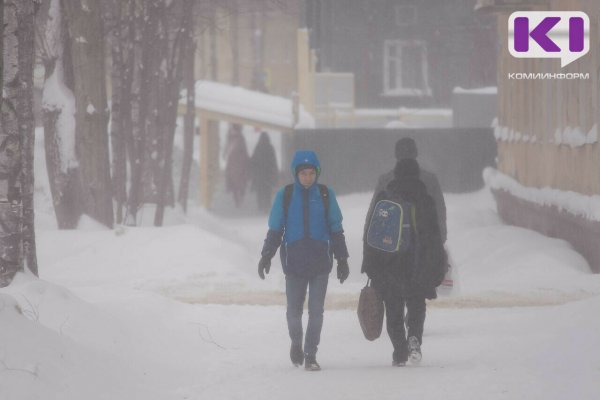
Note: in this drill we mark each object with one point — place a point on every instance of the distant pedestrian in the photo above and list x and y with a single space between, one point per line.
237 163
306 221
406 278
265 172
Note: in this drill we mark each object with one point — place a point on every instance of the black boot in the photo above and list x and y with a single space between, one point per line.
296 355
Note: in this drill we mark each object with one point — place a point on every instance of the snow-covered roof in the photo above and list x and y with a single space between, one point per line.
249 105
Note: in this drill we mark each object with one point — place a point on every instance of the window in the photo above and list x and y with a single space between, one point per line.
405 68
406 15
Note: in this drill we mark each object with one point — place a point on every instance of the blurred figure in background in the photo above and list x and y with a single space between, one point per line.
236 169
264 172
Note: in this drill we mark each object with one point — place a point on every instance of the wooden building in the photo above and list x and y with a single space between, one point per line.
547 129
251 44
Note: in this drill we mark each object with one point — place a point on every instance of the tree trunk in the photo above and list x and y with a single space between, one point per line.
1 51
86 39
134 127
180 47
26 119
189 122
11 256
117 141
64 184
122 34
146 104
59 124
17 238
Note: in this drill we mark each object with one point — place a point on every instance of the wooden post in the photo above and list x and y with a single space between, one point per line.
305 61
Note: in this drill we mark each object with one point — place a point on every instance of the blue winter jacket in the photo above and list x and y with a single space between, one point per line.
307 241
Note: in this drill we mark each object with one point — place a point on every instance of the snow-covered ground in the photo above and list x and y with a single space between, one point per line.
180 313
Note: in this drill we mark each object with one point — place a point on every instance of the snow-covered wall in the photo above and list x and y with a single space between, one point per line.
572 202
574 137
560 214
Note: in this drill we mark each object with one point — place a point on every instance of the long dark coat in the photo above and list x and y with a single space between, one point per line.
419 271
236 170
265 172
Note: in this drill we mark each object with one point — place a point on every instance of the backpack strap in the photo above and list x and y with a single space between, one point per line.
325 197
287 199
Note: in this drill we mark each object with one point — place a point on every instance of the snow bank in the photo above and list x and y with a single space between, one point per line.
490 90
572 202
54 346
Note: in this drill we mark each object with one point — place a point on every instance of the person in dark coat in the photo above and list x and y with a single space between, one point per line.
264 172
405 280
236 169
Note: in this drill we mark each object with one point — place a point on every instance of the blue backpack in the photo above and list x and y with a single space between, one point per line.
392 226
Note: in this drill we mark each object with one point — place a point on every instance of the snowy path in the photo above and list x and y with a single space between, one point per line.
133 316
495 354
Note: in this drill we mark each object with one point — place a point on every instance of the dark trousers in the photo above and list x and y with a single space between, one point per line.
395 306
295 290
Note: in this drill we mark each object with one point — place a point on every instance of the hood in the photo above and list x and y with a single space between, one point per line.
264 139
305 157
406 182
407 168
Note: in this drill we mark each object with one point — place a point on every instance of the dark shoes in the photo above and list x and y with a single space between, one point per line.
414 350
296 355
311 364
298 358
399 356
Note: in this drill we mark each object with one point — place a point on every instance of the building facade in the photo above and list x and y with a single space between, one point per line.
404 52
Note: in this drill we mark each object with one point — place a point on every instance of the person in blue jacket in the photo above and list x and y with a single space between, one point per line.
306 221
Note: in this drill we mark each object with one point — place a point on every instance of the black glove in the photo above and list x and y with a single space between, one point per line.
264 265
343 270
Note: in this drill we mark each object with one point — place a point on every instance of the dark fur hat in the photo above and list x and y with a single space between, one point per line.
406 148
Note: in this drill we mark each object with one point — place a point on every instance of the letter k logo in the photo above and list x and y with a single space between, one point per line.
553 34
539 34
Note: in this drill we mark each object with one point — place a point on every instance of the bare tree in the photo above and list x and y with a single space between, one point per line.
189 119
86 44
120 25
1 50
151 46
146 108
58 108
179 49
17 239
